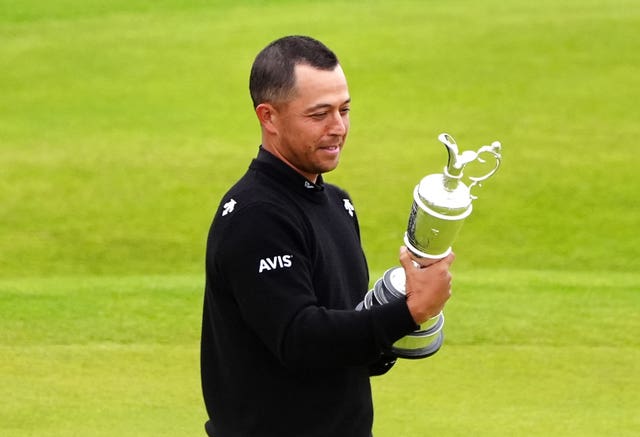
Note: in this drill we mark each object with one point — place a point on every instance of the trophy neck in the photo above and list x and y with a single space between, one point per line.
451 178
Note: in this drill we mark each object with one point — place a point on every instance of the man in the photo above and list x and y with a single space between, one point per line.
283 351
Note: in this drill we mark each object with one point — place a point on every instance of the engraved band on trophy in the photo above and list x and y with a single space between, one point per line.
441 203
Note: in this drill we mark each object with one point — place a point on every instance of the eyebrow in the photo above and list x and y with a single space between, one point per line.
326 105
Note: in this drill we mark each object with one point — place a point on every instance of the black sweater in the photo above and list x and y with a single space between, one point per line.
283 352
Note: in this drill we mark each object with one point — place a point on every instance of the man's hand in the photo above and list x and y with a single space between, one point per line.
427 288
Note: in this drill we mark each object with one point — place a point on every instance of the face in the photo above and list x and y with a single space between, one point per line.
309 131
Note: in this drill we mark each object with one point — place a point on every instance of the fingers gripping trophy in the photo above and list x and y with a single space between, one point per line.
441 203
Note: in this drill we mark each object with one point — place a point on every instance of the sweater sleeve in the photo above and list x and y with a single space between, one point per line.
264 259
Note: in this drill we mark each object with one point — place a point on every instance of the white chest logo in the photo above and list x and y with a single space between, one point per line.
348 206
275 262
228 207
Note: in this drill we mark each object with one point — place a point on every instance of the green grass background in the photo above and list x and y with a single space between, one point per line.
123 122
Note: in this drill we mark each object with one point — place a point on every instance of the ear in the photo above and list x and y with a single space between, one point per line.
268 117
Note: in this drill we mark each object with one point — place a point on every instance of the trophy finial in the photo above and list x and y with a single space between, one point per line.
457 161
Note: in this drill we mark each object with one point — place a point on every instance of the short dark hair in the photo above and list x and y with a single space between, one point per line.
272 74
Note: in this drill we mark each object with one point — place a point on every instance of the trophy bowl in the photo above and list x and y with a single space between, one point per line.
423 342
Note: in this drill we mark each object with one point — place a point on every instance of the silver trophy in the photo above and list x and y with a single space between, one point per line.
441 203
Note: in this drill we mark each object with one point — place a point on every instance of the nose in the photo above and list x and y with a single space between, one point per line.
339 123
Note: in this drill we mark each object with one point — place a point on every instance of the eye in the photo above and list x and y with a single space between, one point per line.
345 110
318 115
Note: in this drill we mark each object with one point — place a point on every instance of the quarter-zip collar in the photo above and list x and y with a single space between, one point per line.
274 167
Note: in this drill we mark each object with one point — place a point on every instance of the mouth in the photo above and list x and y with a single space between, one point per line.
331 149
330 152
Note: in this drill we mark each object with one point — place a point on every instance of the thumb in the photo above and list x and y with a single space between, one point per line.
405 258
449 258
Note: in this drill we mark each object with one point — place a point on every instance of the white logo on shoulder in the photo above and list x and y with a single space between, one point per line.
228 207
275 262
348 206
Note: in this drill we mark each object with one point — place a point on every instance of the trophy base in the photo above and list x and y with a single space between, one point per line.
424 352
421 343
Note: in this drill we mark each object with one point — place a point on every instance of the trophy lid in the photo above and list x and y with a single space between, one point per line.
440 194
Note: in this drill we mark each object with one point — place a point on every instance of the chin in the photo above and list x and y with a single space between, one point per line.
329 168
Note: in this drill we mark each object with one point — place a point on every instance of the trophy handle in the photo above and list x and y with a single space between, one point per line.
493 150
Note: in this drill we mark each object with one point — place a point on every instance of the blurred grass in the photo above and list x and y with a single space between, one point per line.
123 122
121 125
533 353
526 353
101 356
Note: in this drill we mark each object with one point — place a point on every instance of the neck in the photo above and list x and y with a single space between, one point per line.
275 152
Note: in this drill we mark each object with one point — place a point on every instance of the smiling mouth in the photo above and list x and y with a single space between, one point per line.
330 148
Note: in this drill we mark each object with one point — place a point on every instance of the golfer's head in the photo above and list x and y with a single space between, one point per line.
273 76
302 101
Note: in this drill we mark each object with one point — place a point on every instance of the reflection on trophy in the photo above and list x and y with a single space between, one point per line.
441 203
